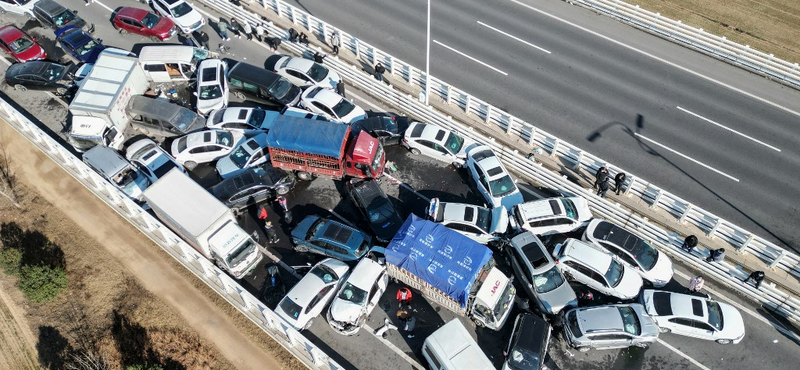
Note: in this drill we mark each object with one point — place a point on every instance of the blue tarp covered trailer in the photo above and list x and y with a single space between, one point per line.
308 136
440 257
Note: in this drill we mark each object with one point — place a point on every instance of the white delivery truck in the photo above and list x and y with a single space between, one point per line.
452 348
98 109
451 270
204 222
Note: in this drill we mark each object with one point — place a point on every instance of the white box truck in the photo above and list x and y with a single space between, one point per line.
452 348
98 109
204 222
452 270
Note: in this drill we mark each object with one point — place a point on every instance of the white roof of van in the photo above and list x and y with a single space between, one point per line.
163 53
458 348
102 85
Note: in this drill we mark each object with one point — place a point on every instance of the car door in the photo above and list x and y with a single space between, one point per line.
563 225
473 232
298 78
682 326
609 341
322 109
314 307
585 276
258 157
160 8
704 330
133 25
524 274
430 149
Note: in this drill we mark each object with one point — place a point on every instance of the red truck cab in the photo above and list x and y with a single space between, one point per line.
364 157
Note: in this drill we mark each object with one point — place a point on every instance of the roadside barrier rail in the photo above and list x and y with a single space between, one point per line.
714 227
250 306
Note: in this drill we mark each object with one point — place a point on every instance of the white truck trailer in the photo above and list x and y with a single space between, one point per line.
204 222
98 109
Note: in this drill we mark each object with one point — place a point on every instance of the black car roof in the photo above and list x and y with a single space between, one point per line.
50 7
250 73
272 61
34 67
532 335
368 190
616 235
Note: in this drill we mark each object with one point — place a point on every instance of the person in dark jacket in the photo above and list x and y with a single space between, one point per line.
293 35
716 255
340 88
236 28
272 236
689 243
604 185
303 38
600 175
204 40
379 71
318 58
619 180
757 277
274 43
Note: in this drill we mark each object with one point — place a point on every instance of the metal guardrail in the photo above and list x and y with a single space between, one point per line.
781 302
294 342
526 133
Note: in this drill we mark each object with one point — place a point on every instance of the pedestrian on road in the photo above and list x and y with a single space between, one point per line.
248 30
274 43
236 28
757 277
222 25
619 180
689 243
303 38
272 236
695 284
600 175
408 320
340 88
716 255
261 31
293 35
404 296
605 184
335 42
88 2
318 58
287 214
204 40
379 71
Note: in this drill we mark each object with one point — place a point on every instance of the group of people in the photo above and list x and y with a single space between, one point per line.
602 181
718 255
258 31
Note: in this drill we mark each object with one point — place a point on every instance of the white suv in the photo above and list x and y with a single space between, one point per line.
552 215
596 269
492 179
212 86
480 224
437 143
18 7
184 15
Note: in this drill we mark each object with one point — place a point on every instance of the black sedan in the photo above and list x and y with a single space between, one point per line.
42 75
389 130
376 207
252 186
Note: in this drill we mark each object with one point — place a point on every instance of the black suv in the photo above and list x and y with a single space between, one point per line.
253 186
260 85
389 130
55 16
376 207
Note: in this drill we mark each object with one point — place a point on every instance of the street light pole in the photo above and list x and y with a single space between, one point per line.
428 57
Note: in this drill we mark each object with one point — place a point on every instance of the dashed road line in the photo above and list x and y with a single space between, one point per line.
729 129
679 352
471 58
396 350
686 157
514 37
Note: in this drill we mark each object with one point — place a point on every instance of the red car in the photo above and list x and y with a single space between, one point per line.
142 22
19 45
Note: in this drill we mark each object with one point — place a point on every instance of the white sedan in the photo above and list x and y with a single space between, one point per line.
212 86
480 224
151 159
357 297
491 178
331 105
437 143
248 153
302 72
694 316
312 293
184 15
204 146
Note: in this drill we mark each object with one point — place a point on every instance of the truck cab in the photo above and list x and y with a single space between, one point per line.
492 305
365 157
88 132
239 250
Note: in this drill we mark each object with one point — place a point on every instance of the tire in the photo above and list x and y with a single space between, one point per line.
583 349
155 39
61 91
305 176
19 87
123 32
664 330
300 249
724 341
239 95
415 151
283 190
190 165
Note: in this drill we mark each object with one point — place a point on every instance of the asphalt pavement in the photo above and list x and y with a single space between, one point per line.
419 179
718 136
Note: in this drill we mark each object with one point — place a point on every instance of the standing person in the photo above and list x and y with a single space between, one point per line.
236 28
272 236
204 40
303 38
335 42
88 2
689 243
261 31
605 184
757 277
408 320
318 58
379 71
292 35
404 296
340 88
716 255
287 214
223 29
600 175
696 283
619 180
248 30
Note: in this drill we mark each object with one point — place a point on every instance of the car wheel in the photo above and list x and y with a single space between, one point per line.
664 330
61 90
122 31
155 39
283 190
643 345
301 249
415 151
20 87
190 165
305 176
724 341
583 349
239 95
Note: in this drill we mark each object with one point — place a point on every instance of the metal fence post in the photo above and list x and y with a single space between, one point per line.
532 139
630 185
746 244
488 113
713 231
357 48
466 107
656 200
777 260
292 12
447 94
685 213
555 148
578 162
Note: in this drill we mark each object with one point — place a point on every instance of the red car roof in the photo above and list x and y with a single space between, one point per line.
132 12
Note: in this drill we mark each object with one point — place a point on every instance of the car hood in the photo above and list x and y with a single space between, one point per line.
499 221
332 79
226 167
300 231
204 106
559 298
358 113
732 323
345 311
662 272
511 200
189 19
164 26
630 285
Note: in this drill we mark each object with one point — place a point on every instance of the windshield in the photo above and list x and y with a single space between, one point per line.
484 219
569 208
629 320
324 273
21 44
548 280
290 308
181 10
240 156
182 144
241 253
380 211
343 108
454 143
54 71
224 138
714 315
200 54
87 47
210 92
317 72
315 228
64 18
184 119
572 324
614 273
645 254
352 293
502 186
256 117
376 163
150 20
503 304
280 88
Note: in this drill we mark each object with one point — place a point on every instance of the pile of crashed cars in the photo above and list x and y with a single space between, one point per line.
551 245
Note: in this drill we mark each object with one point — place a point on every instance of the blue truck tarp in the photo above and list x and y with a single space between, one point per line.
442 257
308 136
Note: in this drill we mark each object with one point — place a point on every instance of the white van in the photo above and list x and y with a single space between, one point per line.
18 7
171 63
452 348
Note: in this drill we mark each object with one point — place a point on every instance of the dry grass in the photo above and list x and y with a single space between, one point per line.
766 25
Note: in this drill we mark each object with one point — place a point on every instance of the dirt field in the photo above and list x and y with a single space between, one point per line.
766 25
126 298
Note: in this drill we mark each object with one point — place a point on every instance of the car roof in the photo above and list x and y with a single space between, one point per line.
132 12
367 190
459 212
325 96
586 254
50 7
540 208
105 159
172 2
34 67
683 305
300 64
200 138
75 36
236 114
250 73
10 32
528 246
533 333
337 232
204 69
600 319
365 273
604 230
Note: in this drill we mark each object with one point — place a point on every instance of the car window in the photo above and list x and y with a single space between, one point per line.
323 108
681 321
426 143
503 186
290 308
548 280
483 182
614 273
319 297
715 315
354 294
297 75
324 273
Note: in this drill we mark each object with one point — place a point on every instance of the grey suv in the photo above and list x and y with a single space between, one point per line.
538 274
608 327
55 16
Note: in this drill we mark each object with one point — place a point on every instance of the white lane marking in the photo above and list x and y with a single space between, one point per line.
394 348
730 129
673 349
104 6
473 59
687 70
687 157
514 37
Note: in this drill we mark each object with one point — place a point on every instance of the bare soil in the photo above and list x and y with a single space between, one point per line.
127 300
